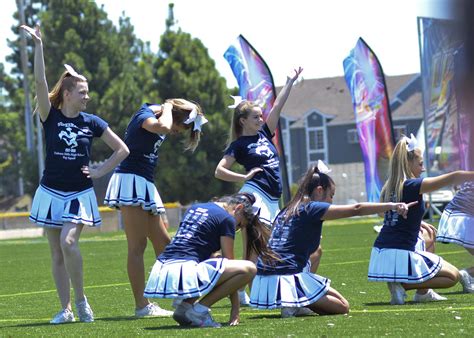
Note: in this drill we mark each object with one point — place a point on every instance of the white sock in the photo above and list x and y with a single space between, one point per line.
200 308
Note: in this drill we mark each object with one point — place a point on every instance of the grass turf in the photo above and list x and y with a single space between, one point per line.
28 298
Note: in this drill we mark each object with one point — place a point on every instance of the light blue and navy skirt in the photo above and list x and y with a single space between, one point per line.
456 227
133 190
52 208
403 266
178 278
268 206
298 290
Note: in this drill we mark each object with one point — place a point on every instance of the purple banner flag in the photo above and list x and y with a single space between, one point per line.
366 82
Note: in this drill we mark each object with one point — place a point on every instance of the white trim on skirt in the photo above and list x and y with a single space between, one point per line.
268 206
456 227
179 278
298 290
403 266
52 208
133 190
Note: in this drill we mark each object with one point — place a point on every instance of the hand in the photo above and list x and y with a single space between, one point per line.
34 33
252 173
428 228
295 76
91 172
234 318
402 208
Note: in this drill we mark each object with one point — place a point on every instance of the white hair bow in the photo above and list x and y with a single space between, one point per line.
74 73
198 119
237 100
412 142
323 168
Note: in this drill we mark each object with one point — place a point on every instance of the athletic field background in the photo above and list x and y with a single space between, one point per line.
28 299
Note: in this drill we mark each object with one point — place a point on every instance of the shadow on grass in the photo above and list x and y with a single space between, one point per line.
37 324
265 316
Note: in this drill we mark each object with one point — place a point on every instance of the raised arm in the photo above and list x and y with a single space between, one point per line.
42 93
120 153
224 173
161 124
274 115
362 209
430 184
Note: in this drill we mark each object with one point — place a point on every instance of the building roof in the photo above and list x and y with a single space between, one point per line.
331 97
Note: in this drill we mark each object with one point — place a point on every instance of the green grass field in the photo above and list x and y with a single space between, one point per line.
28 299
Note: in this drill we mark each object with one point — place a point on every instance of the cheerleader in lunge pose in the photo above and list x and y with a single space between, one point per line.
394 258
287 282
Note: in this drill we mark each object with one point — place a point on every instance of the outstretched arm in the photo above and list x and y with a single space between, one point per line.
362 209
430 184
274 115
42 93
224 173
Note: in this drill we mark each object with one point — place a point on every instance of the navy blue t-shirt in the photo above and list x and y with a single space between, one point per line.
143 146
259 151
199 233
398 232
294 240
68 148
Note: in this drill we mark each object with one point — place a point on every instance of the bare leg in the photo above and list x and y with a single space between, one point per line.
158 234
332 303
237 273
60 276
429 237
135 221
69 240
315 259
446 277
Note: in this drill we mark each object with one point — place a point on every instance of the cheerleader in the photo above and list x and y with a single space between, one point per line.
132 190
457 226
188 270
394 258
250 144
287 282
65 200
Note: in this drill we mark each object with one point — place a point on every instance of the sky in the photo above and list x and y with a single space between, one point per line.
314 34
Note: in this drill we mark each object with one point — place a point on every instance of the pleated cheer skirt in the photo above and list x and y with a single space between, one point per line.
268 206
133 190
456 227
403 266
52 208
177 278
298 290
420 243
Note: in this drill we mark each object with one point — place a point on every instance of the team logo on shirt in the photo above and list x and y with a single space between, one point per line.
262 148
69 133
69 137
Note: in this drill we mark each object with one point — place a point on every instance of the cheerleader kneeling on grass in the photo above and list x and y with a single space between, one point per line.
187 271
395 258
286 282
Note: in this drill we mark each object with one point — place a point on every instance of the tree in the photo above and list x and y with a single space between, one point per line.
184 69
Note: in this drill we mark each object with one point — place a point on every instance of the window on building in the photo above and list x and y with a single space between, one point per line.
316 139
352 136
